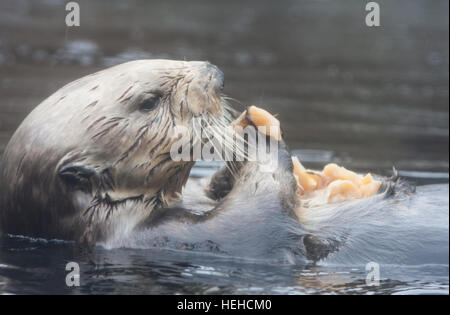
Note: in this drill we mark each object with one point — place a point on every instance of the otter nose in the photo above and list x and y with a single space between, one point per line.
214 76
217 75
205 88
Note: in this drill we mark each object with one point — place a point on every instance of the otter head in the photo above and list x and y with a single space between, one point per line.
105 139
127 116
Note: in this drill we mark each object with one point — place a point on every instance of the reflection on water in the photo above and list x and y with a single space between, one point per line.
365 98
30 266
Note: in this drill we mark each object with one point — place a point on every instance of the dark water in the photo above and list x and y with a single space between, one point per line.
368 98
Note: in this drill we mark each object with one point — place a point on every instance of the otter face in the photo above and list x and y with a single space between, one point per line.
122 122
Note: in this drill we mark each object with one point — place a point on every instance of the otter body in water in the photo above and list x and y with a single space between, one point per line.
92 163
248 212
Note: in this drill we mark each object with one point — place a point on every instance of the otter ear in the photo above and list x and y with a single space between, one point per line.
77 175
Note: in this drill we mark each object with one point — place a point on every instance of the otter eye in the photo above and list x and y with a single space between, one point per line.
149 104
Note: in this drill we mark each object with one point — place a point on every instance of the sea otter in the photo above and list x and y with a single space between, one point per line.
93 163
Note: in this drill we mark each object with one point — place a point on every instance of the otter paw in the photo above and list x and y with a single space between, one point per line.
261 119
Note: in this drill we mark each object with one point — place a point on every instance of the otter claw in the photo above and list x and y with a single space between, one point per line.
259 117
